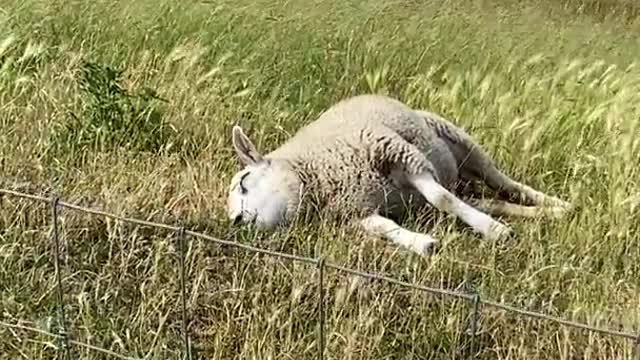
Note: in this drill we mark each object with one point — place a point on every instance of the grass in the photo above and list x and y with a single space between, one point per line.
128 107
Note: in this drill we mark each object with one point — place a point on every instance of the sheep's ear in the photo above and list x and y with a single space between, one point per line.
245 150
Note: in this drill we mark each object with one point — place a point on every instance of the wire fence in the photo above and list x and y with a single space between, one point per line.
181 233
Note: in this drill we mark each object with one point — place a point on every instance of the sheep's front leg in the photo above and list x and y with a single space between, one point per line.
379 225
444 200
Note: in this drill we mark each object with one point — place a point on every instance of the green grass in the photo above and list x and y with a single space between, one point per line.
550 88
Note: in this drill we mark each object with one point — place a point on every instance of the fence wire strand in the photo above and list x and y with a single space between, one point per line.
568 323
321 264
71 341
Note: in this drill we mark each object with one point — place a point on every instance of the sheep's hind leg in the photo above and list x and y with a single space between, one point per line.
414 168
504 208
510 188
444 200
419 243
479 165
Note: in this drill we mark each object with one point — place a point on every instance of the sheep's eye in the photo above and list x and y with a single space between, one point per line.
243 189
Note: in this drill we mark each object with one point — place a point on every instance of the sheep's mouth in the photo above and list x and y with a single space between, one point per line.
240 218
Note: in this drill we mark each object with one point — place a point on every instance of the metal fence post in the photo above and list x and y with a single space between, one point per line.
183 291
321 338
475 302
56 251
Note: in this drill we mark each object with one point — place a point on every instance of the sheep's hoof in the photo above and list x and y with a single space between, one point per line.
557 212
423 244
500 232
556 202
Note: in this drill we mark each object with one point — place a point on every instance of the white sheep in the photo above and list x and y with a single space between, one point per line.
371 157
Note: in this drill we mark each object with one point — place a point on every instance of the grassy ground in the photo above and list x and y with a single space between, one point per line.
549 87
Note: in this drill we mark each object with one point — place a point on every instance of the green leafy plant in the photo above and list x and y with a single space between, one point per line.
111 117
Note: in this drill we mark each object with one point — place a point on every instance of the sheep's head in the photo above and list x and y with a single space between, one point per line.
265 191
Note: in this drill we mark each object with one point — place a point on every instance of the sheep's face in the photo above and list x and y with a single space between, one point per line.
263 193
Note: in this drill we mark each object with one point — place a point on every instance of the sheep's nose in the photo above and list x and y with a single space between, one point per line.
237 219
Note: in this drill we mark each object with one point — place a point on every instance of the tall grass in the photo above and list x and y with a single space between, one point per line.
552 92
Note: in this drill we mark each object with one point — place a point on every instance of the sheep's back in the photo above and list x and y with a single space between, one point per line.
343 124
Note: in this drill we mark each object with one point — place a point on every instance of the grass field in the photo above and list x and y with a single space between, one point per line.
550 88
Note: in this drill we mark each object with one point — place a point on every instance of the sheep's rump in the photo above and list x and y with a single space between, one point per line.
350 154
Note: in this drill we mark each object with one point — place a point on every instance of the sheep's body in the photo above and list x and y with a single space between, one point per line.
350 152
347 157
369 155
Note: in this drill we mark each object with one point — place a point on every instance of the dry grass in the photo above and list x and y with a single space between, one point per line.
553 94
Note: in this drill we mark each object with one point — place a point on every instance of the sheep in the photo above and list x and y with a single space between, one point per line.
370 158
